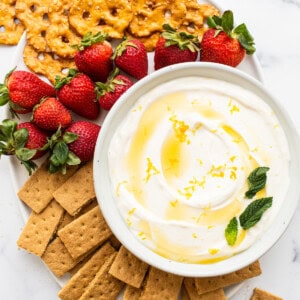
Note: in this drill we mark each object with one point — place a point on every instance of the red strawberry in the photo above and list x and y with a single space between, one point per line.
111 91
175 47
36 138
77 92
223 44
94 56
87 133
74 146
51 114
23 90
24 141
131 57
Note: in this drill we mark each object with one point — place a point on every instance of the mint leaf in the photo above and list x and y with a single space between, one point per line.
254 211
231 231
256 181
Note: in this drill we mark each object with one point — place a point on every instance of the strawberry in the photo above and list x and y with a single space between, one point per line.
76 145
131 57
110 91
22 90
24 141
175 47
77 92
225 44
50 114
94 56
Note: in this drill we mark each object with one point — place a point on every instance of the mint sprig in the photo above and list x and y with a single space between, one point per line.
231 231
256 181
254 211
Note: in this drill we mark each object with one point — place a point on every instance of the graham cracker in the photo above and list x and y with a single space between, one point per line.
207 284
128 268
40 228
76 286
104 285
66 219
77 191
161 285
58 259
84 233
37 192
190 287
184 294
115 242
259 294
132 293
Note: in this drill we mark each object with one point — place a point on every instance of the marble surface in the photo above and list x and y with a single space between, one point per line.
275 25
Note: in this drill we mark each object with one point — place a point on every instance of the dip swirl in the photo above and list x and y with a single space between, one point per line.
179 164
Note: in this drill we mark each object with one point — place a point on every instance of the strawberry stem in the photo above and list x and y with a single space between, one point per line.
225 23
13 141
89 39
61 81
182 39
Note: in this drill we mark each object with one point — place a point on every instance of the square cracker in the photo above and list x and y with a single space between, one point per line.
40 228
104 285
207 284
259 294
190 287
76 286
161 285
58 259
38 189
128 268
77 191
84 233
132 293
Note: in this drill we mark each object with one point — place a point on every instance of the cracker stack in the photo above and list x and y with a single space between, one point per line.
67 230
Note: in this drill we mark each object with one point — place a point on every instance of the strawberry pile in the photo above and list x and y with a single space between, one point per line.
103 74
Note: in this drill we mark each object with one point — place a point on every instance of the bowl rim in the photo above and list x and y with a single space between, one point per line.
110 210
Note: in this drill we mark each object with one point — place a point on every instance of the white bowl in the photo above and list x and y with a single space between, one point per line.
103 184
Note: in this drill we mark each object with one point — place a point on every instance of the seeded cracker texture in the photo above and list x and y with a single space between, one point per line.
207 284
104 285
38 190
77 191
128 268
76 286
40 228
85 233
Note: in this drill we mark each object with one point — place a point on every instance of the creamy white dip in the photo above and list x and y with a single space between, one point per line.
179 164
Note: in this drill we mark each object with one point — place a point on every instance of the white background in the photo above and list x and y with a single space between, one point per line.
275 25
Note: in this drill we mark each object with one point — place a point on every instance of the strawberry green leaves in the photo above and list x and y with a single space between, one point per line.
255 210
89 39
61 156
241 33
231 231
256 181
182 39
13 141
